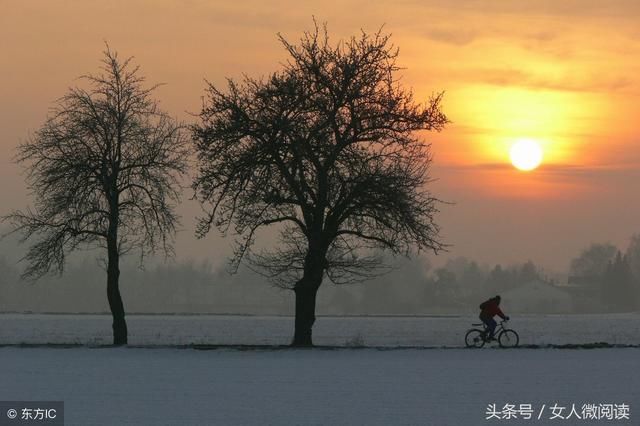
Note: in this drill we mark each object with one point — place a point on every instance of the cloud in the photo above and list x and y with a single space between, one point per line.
452 36
570 83
458 36
622 9
550 170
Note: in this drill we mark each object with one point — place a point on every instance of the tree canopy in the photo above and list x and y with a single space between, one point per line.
326 147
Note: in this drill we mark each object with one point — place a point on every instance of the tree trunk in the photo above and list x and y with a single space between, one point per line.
113 294
305 314
306 290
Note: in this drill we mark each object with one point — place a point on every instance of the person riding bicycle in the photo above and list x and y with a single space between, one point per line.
489 309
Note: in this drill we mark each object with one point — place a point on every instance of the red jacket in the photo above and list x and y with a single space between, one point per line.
490 309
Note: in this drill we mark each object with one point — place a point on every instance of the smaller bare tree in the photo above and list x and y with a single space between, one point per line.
104 170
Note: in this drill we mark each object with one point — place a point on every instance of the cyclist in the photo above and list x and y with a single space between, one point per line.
489 309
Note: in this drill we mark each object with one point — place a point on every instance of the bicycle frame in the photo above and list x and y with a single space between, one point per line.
497 330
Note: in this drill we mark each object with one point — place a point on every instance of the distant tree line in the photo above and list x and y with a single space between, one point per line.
411 287
464 282
608 277
187 287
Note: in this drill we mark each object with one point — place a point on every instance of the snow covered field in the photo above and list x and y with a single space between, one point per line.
158 385
542 330
137 386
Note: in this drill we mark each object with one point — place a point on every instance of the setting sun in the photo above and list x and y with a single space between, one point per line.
526 154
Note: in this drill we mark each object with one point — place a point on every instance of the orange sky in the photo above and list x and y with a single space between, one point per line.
566 73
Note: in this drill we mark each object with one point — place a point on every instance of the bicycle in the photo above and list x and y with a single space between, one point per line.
506 337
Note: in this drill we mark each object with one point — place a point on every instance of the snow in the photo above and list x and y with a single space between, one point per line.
137 386
154 330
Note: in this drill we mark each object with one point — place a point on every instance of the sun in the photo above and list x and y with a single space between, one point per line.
525 154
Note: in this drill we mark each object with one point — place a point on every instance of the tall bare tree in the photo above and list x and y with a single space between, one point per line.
104 170
324 149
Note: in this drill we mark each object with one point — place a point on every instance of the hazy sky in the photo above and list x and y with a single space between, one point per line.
563 73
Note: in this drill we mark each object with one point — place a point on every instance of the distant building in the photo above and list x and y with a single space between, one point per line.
537 297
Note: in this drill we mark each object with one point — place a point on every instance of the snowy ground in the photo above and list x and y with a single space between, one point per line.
542 330
128 386
170 386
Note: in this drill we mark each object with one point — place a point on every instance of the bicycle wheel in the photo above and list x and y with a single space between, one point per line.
474 338
508 339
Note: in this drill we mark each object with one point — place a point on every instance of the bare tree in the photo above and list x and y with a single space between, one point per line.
633 255
618 289
325 149
592 262
104 170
